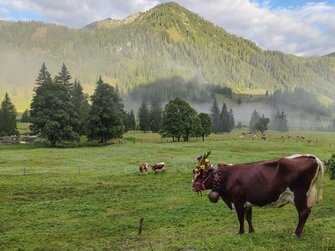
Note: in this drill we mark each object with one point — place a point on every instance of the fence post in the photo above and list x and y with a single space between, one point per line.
140 228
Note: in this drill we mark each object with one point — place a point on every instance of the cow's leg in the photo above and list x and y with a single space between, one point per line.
248 217
300 202
240 210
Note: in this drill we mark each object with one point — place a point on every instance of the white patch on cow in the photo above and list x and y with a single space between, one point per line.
247 204
286 197
299 155
160 163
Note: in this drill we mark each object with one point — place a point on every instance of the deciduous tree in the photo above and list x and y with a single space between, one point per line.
205 122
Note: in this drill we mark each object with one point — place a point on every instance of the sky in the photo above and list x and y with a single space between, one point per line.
303 28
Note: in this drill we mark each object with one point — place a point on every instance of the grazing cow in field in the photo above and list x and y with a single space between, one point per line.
158 167
271 183
144 168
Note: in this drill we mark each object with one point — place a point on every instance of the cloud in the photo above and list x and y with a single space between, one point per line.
304 30
308 29
77 13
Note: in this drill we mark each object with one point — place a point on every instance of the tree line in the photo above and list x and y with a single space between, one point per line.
60 111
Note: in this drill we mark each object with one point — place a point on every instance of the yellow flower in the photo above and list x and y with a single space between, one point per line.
202 166
206 160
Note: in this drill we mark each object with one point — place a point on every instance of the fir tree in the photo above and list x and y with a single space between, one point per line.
81 107
64 78
144 117
7 117
224 119
131 120
52 113
279 122
44 76
231 120
25 116
105 119
155 115
215 117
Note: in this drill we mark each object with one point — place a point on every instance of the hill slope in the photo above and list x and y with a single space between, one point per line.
162 43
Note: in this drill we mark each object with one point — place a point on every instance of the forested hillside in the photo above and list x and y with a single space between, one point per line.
165 42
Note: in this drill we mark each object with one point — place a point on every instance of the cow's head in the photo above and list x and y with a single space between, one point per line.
203 179
203 174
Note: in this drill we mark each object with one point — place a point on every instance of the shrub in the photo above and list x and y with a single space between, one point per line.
331 167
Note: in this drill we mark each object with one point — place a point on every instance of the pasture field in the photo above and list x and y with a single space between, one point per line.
92 198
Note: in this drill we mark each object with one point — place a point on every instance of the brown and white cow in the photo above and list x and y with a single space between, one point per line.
143 168
271 183
158 167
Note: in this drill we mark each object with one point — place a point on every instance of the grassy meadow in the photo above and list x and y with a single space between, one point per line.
92 198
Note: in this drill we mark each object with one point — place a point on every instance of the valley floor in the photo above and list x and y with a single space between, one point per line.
92 198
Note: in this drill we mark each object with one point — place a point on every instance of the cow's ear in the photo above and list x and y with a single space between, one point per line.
196 170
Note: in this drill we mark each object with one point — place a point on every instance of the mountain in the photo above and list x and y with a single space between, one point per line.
166 41
330 54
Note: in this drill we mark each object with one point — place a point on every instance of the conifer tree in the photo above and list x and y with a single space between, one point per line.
52 113
43 76
64 78
105 119
215 116
144 117
231 120
25 116
81 107
224 119
155 115
279 122
7 117
131 120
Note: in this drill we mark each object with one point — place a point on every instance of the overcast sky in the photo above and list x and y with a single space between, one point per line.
299 27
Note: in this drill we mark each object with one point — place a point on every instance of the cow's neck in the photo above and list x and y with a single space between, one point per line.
218 186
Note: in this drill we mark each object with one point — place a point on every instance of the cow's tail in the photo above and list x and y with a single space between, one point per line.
314 196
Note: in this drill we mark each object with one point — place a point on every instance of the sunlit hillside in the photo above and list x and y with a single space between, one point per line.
164 42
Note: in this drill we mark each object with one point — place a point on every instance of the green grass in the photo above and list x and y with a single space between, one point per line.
92 198
23 128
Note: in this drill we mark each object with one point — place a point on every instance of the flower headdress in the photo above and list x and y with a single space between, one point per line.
203 160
